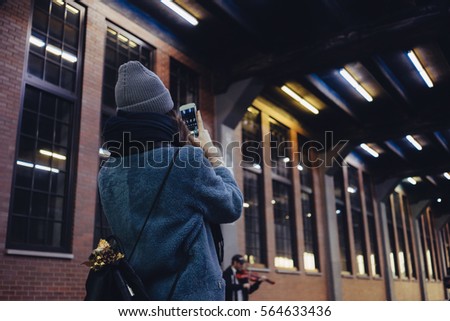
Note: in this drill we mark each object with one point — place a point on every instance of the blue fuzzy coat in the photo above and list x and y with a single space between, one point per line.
194 194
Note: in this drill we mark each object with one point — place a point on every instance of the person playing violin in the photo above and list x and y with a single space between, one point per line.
238 286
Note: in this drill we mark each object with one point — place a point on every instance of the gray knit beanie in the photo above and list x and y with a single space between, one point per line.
140 90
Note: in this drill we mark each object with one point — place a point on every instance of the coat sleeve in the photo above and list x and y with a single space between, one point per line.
216 191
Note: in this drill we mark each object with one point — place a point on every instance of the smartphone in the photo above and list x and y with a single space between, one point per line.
189 116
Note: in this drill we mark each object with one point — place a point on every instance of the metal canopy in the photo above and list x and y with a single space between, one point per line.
304 44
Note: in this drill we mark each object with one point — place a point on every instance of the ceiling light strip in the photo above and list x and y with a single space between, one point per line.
414 142
181 12
447 176
411 180
370 150
420 69
344 73
303 102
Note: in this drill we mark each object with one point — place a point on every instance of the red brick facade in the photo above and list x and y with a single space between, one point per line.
45 278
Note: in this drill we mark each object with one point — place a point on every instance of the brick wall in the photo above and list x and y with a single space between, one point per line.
37 278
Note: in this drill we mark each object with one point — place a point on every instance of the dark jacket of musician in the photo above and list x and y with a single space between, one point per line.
238 288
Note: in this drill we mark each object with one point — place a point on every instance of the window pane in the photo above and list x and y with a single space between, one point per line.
311 254
341 212
357 220
285 248
374 256
392 254
251 139
404 271
41 173
59 34
281 149
254 219
184 84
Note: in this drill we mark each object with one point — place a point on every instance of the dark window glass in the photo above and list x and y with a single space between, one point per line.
280 149
39 201
255 248
411 256
371 222
285 238
341 212
354 191
392 245
404 270
251 139
311 254
54 43
184 84
255 242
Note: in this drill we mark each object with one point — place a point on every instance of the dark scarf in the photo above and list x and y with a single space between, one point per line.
132 132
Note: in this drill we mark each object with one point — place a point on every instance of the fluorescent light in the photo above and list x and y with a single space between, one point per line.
72 9
411 180
308 215
439 200
41 167
338 211
447 176
351 189
273 201
286 159
296 97
181 12
26 164
414 142
420 69
299 167
54 50
37 42
344 73
122 38
51 154
46 168
257 166
69 57
369 150
246 205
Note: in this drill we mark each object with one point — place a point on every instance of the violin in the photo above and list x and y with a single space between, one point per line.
252 276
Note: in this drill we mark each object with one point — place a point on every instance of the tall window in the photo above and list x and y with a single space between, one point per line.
392 244
285 236
410 257
120 48
357 220
42 194
371 222
184 84
427 246
341 212
54 43
401 253
311 254
255 242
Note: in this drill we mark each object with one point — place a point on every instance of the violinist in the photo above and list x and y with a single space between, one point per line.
237 285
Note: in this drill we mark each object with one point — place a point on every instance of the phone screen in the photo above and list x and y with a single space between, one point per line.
190 119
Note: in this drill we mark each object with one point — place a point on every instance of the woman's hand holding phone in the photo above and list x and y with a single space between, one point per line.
204 141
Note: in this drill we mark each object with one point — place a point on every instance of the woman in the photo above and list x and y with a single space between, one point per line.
143 138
